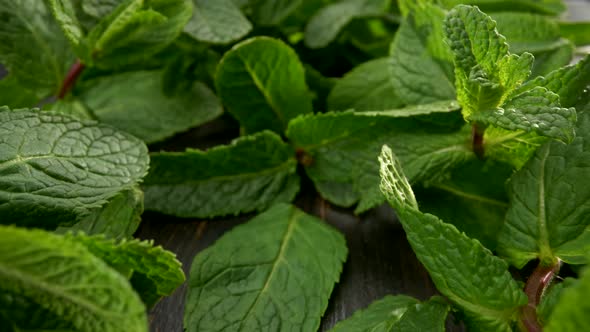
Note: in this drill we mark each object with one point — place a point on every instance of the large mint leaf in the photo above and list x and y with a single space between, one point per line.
343 147
325 25
421 63
550 204
32 47
51 282
153 271
118 219
136 103
368 87
262 83
250 174
217 21
54 169
571 311
458 265
279 281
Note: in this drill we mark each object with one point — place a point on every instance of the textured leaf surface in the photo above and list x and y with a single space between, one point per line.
550 205
262 83
571 311
421 63
279 282
577 32
345 145
51 282
135 102
513 147
250 174
54 169
154 271
368 87
217 21
457 264
550 7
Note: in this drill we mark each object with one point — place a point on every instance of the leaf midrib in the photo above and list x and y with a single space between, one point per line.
471 196
543 241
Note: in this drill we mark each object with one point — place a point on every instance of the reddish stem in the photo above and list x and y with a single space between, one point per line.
477 140
71 78
534 289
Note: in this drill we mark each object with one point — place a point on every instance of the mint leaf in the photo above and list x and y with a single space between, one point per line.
344 145
421 63
577 32
262 83
457 264
51 282
143 109
54 169
550 60
250 174
71 106
367 87
379 316
14 95
427 316
571 311
274 12
217 21
325 25
281 281
551 297
513 147
118 219
153 271
548 7
547 218
436 111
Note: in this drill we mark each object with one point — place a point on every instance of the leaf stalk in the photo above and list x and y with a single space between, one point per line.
535 286
71 78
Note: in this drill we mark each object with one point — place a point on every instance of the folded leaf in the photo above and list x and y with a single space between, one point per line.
262 83
153 271
461 268
279 281
54 169
571 311
549 213
217 22
250 174
51 282
135 102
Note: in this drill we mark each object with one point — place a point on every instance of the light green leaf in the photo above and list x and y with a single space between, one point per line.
546 62
577 32
368 87
571 311
427 316
250 174
14 95
118 219
71 106
512 147
279 282
153 271
65 14
54 169
421 63
32 47
51 282
217 22
550 205
262 83
379 316
325 25
343 147
100 8
548 7
458 265
439 108
135 102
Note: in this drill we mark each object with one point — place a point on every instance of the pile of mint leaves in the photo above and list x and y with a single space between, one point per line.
468 117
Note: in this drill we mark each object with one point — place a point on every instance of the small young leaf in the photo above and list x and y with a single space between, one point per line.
571 311
217 22
262 83
51 282
281 281
250 174
54 169
458 265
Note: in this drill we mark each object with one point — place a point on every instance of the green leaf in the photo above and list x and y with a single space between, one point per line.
427 316
421 63
143 109
51 282
571 311
71 106
154 272
54 169
458 265
548 61
279 282
548 7
65 14
217 22
577 32
262 83
118 219
325 25
14 95
33 48
99 8
274 12
379 316
367 87
343 146
551 297
548 217
512 147
250 174
436 110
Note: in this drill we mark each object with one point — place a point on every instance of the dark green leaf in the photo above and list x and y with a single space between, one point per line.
428 316
571 311
217 22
